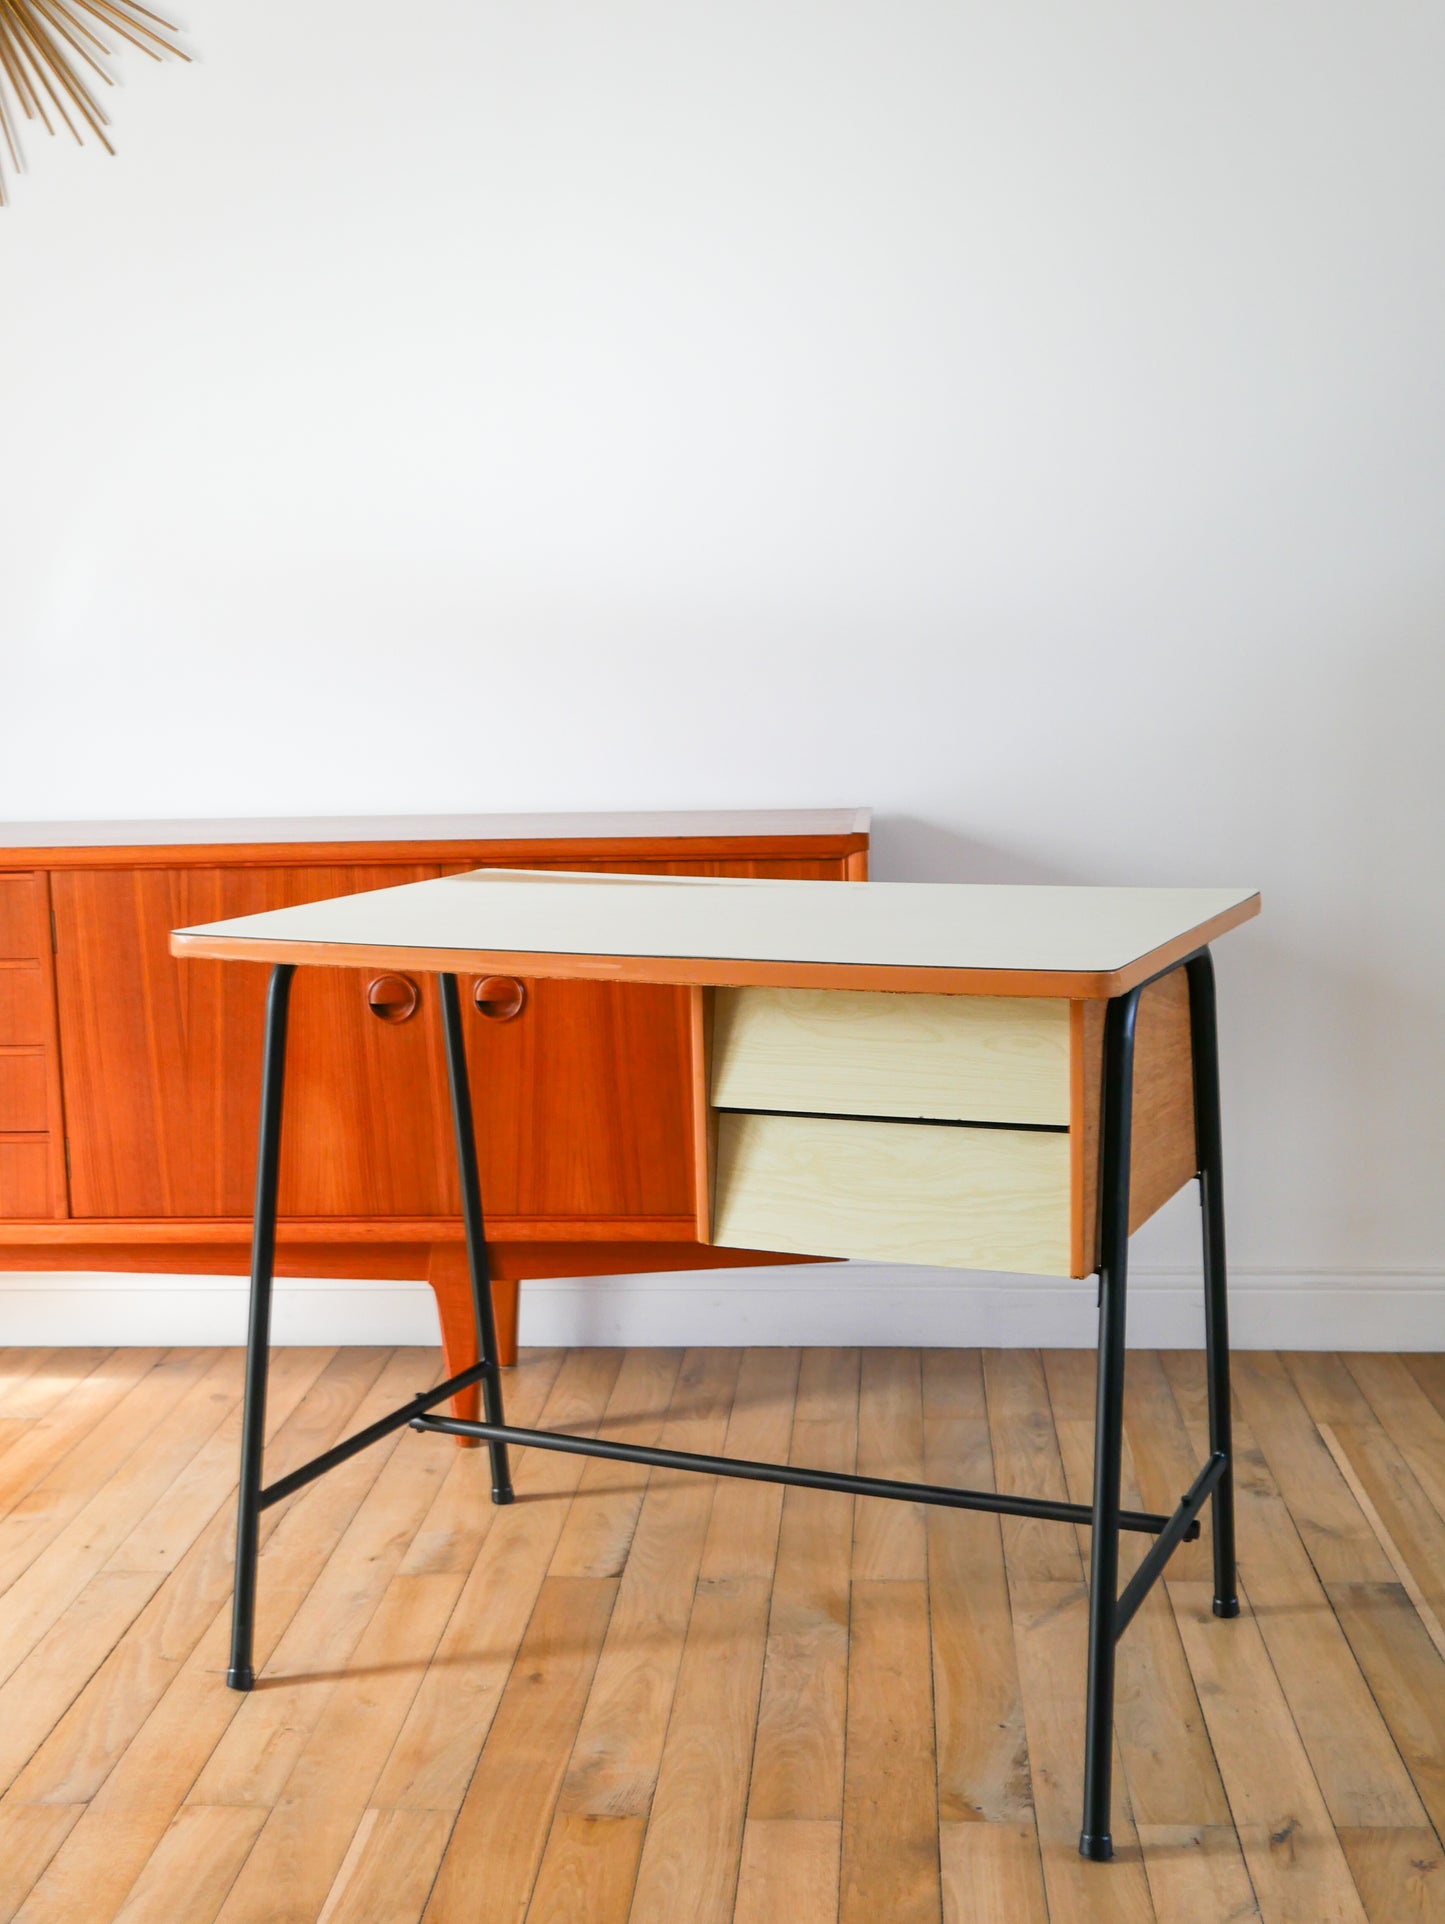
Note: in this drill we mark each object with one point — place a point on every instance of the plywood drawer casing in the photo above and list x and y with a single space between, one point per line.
961 1131
896 1191
862 1053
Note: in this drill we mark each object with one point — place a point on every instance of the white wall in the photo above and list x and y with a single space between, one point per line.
1027 418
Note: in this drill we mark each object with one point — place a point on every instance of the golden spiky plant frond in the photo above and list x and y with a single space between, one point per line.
51 54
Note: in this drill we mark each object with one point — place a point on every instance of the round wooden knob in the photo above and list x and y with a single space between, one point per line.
392 998
498 997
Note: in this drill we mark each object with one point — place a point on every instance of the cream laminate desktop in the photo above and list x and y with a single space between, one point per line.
712 930
844 1012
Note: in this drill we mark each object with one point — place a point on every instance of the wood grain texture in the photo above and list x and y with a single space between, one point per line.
703 1135
620 1699
585 1093
1026 1458
615 1760
1341 1544
496 1844
789 1870
992 1871
895 1191
1406 1675
797 1771
1051 1633
1197 1874
1294 1857
1085 1030
450 1276
388 1868
982 1753
141 1783
1400 1874
435 1754
1163 1157
962 1058
22 936
888 1538
1388 1495
690 1855
588 1871
890 1810
32 1121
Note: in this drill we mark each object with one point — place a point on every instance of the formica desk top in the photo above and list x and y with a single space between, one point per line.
931 937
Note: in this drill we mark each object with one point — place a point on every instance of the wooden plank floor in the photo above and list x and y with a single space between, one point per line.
656 1698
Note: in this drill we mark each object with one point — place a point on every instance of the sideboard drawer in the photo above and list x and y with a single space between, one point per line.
961 1058
24 1091
896 1191
25 1179
21 936
24 1011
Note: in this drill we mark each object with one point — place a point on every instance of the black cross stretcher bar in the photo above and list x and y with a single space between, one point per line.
1182 1527
804 1478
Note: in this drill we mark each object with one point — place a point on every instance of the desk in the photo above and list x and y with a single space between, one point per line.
985 1077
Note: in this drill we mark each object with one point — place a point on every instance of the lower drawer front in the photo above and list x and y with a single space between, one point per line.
25 1179
896 1191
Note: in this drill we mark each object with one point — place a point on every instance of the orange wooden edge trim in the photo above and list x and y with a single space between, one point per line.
716 972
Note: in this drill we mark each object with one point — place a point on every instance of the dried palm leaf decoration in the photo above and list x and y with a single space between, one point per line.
46 48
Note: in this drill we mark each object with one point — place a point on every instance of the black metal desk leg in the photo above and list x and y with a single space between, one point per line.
1094 1838
241 1676
476 1230
1208 1137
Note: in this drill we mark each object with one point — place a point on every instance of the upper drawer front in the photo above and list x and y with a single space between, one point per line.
895 1191
23 1011
20 931
962 1058
24 1091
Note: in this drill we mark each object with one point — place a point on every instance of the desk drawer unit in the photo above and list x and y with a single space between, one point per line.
951 1130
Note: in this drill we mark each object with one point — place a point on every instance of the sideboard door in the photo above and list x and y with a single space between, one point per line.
582 1101
161 1058
581 1097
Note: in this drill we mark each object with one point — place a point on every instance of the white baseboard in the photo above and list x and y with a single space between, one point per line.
866 1303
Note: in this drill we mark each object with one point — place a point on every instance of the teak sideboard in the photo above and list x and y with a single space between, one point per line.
129 1082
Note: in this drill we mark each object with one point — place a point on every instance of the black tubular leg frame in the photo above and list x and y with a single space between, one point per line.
1109 1613
249 1504
477 1266
253 1498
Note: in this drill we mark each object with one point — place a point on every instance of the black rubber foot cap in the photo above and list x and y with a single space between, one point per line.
1097 1849
503 1496
242 1679
1226 1606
